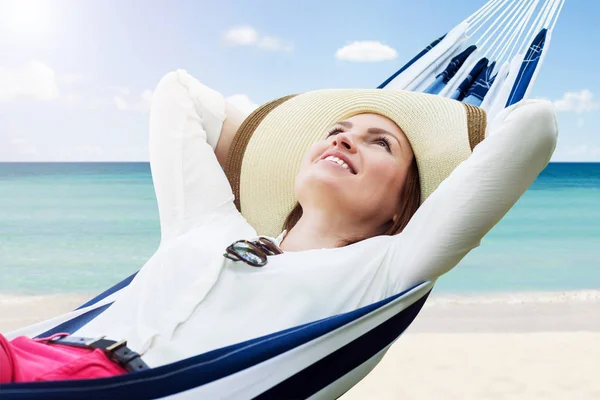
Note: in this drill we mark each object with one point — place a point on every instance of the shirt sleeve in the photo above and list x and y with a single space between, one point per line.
476 195
186 118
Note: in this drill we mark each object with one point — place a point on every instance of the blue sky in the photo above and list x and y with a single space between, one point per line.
76 76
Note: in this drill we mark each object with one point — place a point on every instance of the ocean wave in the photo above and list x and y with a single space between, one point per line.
575 296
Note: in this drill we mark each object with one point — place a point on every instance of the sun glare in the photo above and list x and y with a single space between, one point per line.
26 17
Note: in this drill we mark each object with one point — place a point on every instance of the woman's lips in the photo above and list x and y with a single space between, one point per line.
338 158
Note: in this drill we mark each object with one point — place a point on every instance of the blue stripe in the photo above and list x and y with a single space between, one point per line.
192 372
528 67
326 371
125 282
76 323
411 62
465 85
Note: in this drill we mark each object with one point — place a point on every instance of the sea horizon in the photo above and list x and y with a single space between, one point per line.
141 162
97 222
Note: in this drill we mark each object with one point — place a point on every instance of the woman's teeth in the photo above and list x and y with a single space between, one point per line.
337 160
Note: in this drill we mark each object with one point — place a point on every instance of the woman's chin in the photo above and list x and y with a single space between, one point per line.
326 182
336 169
324 185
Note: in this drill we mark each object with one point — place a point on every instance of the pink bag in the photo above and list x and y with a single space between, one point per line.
26 360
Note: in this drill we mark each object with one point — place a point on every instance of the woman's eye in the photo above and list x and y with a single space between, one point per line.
383 142
334 131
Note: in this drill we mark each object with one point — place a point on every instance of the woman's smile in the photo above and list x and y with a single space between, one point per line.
339 159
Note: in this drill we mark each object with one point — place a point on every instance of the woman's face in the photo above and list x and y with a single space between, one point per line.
357 171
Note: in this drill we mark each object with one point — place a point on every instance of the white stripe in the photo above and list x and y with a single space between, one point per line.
346 382
43 326
518 19
499 101
423 68
477 25
261 377
490 97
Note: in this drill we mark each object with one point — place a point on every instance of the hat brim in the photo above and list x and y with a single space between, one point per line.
267 150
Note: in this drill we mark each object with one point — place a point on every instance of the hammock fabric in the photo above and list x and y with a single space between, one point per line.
490 60
325 358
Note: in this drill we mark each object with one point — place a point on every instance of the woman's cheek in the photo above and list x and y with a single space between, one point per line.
314 152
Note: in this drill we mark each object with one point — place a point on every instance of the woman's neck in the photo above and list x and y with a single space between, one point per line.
314 231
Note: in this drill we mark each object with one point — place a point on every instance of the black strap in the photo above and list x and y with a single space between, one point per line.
116 351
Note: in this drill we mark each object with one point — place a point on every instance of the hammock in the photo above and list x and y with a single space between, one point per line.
491 60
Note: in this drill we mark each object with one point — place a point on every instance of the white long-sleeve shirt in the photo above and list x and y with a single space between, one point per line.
189 299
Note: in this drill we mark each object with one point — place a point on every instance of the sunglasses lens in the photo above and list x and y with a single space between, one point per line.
249 254
231 256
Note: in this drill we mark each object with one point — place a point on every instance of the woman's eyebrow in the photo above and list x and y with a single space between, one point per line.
374 130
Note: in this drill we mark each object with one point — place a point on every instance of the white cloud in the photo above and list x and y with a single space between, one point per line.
579 152
123 101
122 90
120 103
71 99
23 147
76 148
96 103
70 79
274 44
366 51
248 36
243 103
578 102
145 100
33 81
583 150
241 36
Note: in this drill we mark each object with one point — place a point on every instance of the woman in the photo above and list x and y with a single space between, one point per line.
356 189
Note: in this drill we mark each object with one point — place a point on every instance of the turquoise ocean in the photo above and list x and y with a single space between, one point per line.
82 227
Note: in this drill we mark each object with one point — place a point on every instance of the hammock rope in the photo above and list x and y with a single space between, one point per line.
511 38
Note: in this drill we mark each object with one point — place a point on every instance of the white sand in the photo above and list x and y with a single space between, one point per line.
20 311
522 346
542 365
537 346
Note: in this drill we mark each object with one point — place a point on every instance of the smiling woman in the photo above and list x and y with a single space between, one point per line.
364 167
295 280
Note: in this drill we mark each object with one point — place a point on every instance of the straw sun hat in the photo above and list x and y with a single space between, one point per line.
266 153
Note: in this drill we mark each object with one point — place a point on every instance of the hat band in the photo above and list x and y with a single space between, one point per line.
233 166
476 124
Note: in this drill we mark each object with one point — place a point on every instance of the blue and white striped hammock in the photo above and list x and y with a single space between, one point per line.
325 358
322 359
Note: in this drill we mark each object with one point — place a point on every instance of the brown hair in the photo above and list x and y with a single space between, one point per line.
410 199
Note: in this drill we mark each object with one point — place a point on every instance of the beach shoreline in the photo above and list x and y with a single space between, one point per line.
486 346
564 311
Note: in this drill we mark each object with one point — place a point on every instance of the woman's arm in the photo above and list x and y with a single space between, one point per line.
230 126
187 121
477 194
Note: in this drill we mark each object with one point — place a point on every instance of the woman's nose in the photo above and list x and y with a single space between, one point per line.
344 140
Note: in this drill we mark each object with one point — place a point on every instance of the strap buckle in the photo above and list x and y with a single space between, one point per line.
117 351
90 343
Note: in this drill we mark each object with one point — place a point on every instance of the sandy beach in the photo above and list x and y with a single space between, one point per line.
505 346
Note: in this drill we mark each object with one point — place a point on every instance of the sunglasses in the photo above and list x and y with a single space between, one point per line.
253 252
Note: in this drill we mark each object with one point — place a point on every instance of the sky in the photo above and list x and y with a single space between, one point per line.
76 77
